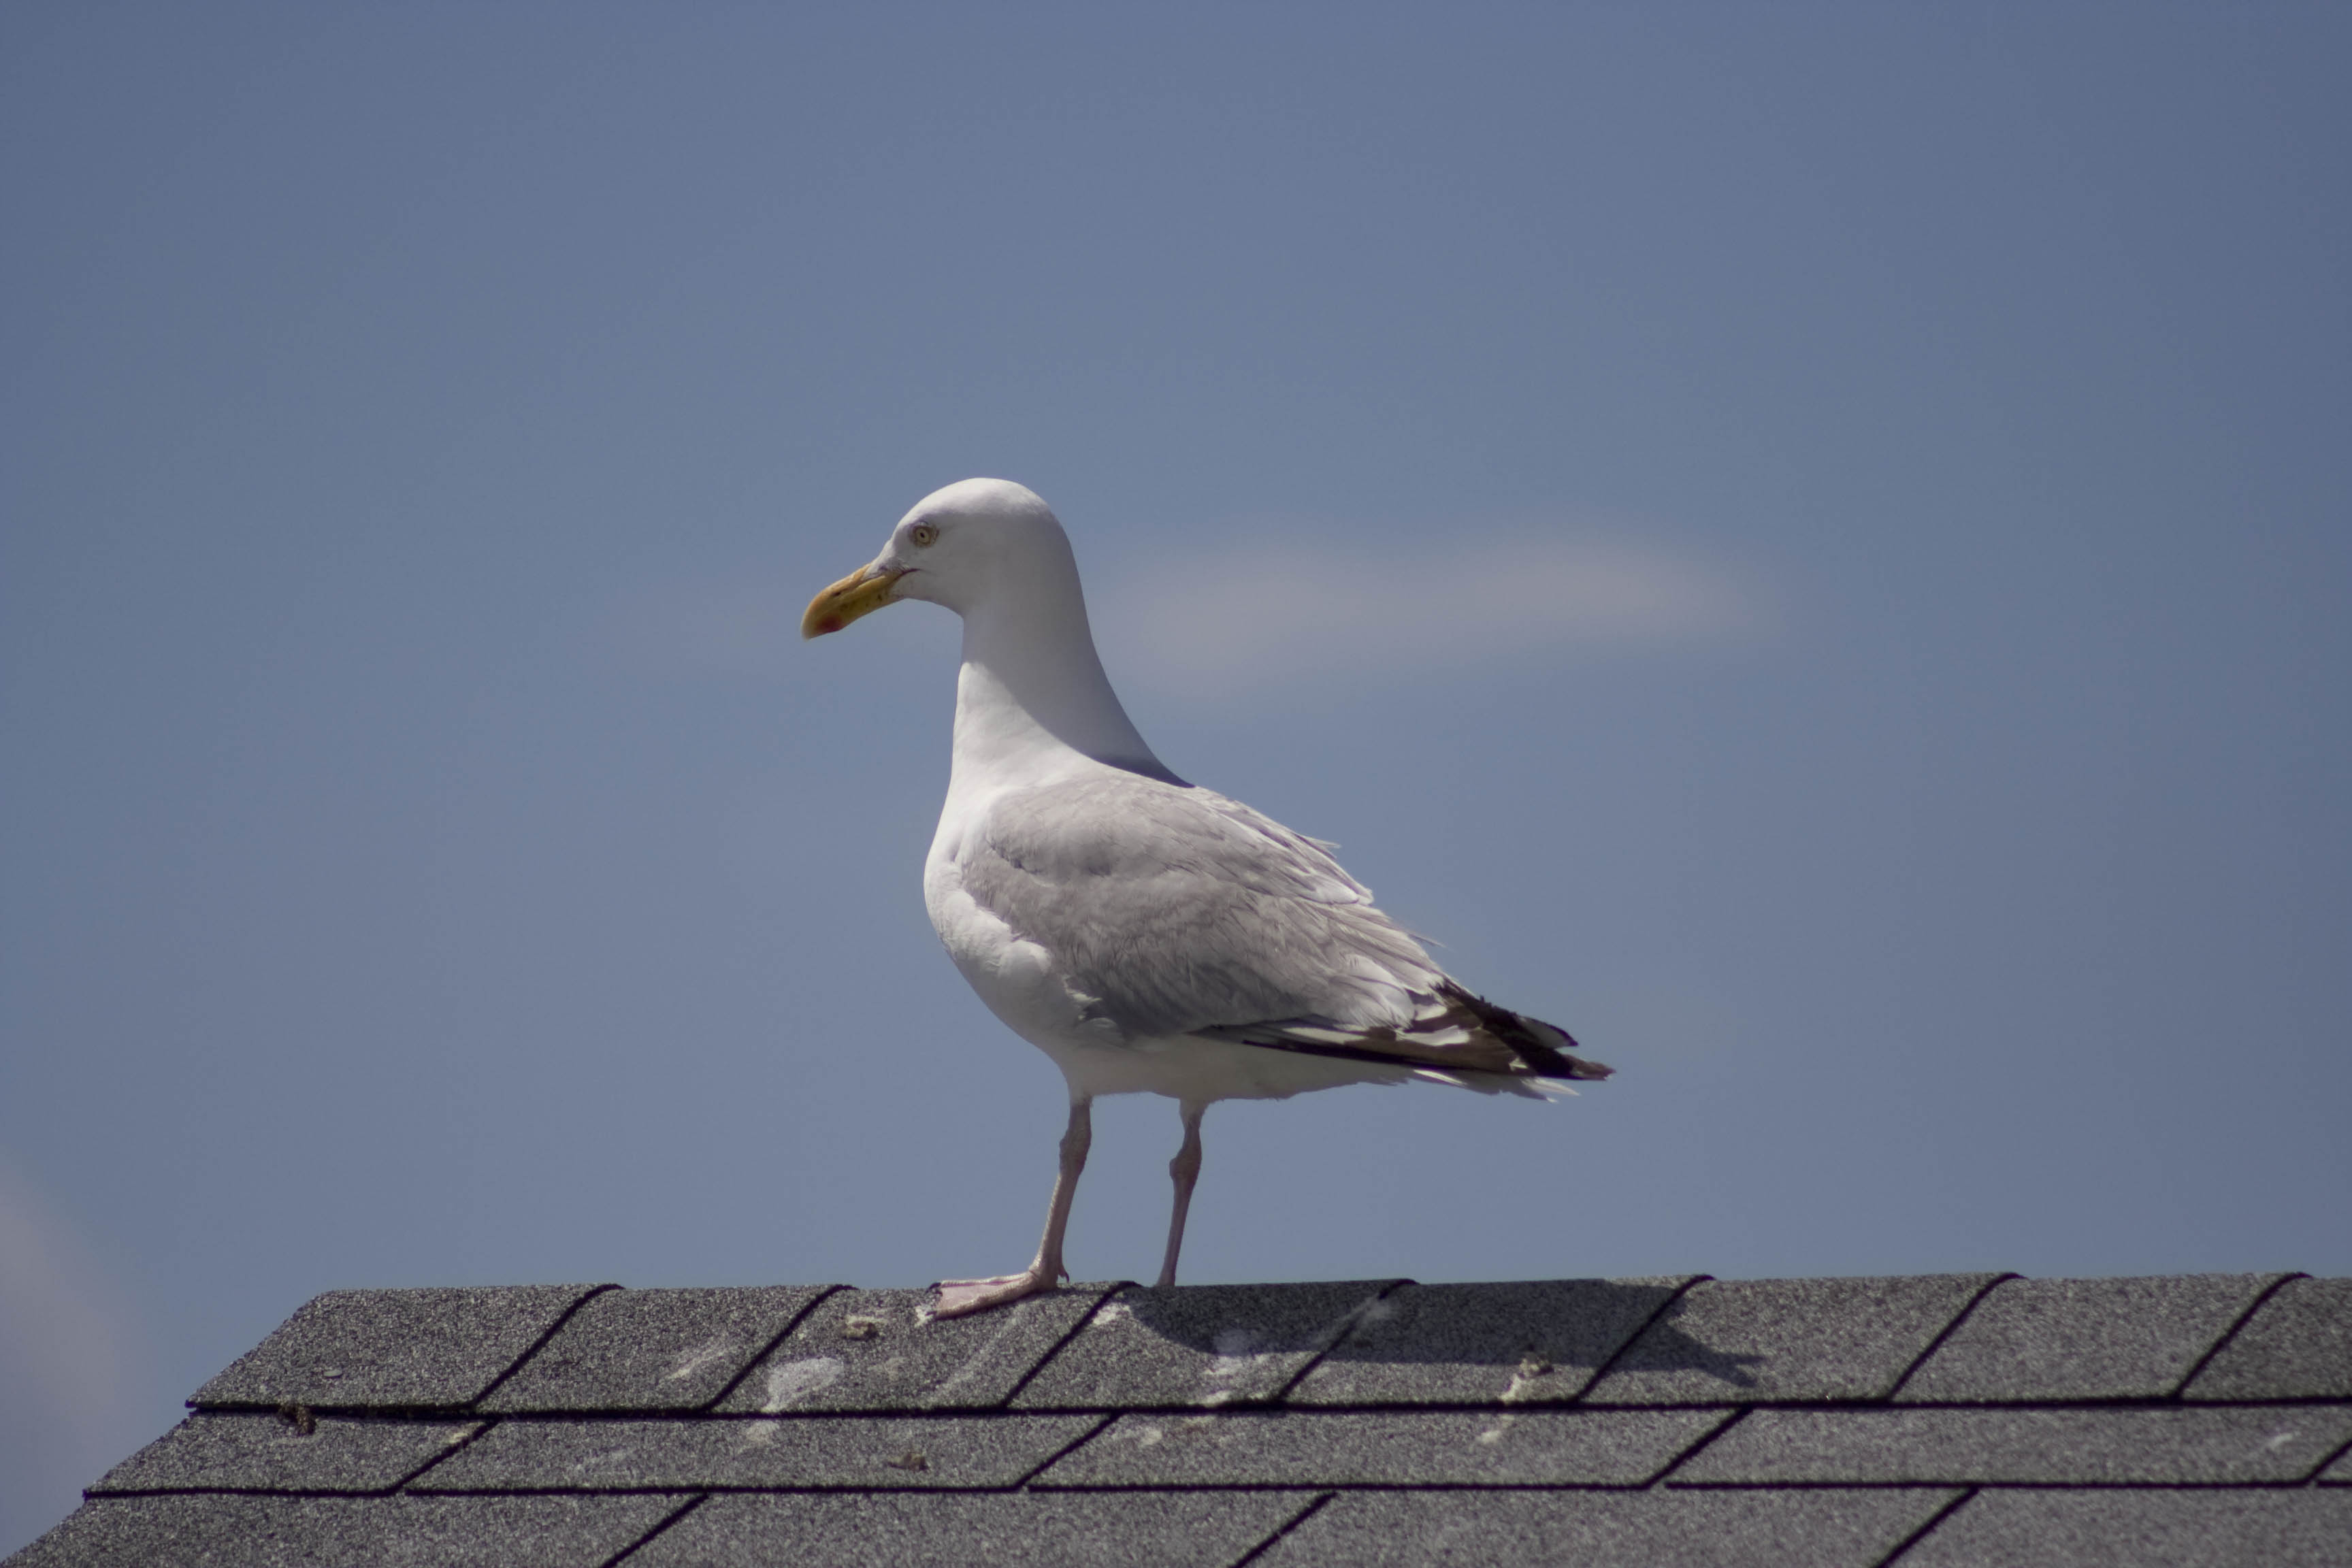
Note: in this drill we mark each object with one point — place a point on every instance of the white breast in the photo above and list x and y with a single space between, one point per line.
1015 977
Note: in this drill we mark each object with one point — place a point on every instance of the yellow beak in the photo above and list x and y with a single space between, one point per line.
861 593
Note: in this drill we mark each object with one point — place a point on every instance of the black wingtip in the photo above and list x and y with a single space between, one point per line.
1525 1035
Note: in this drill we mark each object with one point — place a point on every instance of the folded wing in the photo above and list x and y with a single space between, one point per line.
1171 909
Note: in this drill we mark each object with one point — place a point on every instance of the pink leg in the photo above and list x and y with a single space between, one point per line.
958 1296
1185 1170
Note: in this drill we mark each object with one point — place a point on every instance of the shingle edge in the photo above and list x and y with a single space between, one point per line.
1935 1520
689 1506
1313 1507
1962 1316
2181 1389
823 1295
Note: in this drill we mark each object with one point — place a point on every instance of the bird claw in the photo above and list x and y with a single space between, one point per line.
958 1297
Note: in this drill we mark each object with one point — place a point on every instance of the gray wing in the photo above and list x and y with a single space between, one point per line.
1174 910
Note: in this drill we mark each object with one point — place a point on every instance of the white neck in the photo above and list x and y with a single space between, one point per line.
1031 699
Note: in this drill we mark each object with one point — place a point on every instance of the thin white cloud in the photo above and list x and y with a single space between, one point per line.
1288 612
1304 608
68 1368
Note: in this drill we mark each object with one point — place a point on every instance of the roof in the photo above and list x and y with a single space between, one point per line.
1937 1420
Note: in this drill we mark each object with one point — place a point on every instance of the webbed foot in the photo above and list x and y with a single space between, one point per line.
958 1297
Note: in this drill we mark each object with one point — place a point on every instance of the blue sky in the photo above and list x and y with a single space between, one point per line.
1807 543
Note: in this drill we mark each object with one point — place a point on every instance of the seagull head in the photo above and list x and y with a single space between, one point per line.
959 547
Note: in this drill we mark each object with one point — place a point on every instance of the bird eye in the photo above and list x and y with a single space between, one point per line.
923 533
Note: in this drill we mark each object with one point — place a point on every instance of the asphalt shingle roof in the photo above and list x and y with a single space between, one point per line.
1939 1420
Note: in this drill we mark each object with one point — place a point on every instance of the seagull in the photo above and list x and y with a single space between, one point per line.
1147 935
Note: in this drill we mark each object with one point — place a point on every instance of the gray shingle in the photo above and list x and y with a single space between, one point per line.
1195 1425
1534 1344
215 1531
1760 1341
432 1349
2128 1528
1101 1529
2081 1448
1203 1345
879 1349
1307 1448
271 1453
1819 1529
527 1454
651 1350
2084 1339
2297 1345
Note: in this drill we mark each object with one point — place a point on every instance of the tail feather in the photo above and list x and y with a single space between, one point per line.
1457 1038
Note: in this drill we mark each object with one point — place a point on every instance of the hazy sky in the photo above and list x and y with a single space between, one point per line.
1808 544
